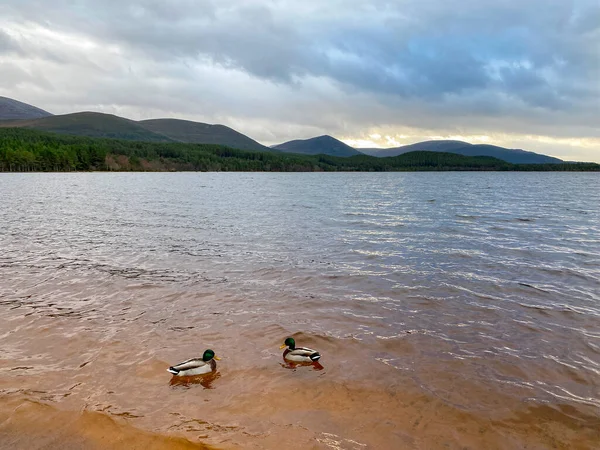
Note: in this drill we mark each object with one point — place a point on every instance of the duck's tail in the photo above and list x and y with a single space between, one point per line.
315 356
173 370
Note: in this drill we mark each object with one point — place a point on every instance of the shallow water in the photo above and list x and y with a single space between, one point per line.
453 310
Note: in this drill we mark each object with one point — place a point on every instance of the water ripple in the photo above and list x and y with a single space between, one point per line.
491 280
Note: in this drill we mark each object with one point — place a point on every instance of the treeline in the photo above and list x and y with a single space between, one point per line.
23 150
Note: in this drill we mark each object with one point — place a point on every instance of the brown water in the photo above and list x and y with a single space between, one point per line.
452 310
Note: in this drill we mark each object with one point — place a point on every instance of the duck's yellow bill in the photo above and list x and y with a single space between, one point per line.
217 358
283 346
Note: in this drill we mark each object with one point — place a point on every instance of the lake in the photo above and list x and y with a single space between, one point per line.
452 310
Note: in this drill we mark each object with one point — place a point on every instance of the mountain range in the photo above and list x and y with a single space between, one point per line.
93 124
515 156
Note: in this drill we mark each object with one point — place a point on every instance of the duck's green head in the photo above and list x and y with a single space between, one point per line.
208 355
290 343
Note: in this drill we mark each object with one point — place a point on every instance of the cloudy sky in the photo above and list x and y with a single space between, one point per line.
517 73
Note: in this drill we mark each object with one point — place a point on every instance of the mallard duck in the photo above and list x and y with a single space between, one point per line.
196 366
299 354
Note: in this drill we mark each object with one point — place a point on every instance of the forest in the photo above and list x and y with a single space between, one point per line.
24 150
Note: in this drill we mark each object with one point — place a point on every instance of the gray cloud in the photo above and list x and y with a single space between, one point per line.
342 67
7 43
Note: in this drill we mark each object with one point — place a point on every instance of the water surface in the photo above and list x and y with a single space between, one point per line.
453 310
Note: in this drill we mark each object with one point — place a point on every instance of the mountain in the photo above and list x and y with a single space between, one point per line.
429 146
201 133
318 145
515 156
15 114
91 124
15 110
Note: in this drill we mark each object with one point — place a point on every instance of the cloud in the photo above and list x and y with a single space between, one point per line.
282 69
7 44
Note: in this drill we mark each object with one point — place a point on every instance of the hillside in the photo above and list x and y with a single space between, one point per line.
91 124
429 146
201 133
325 145
16 114
514 156
11 109
24 150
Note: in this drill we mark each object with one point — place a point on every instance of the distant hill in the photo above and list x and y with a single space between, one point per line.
15 110
429 146
515 156
326 145
15 114
201 133
92 124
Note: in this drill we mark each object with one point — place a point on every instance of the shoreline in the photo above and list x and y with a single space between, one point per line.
304 172
30 423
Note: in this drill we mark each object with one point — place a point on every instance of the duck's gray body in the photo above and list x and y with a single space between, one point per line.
301 354
194 366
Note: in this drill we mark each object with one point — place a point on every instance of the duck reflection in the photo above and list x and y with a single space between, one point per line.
316 365
205 381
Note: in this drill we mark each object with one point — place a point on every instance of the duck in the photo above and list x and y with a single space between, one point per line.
196 366
299 354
